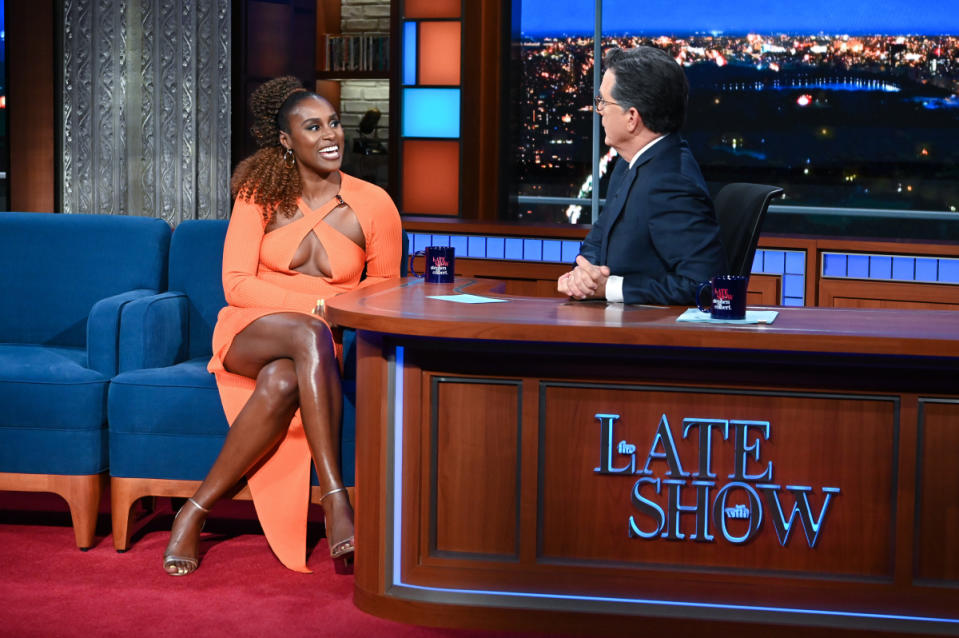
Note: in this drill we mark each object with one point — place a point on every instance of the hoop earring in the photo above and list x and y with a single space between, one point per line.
289 159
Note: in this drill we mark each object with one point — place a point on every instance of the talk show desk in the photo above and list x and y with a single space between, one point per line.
559 466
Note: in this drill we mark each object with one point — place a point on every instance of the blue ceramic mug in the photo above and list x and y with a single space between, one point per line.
728 297
440 264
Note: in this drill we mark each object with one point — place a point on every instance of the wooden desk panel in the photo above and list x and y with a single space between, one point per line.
852 293
473 444
937 493
477 489
815 440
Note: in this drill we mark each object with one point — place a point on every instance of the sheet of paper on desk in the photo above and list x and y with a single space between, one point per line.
466 298
752 316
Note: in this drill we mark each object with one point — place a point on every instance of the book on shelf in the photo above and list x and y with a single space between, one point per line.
366 52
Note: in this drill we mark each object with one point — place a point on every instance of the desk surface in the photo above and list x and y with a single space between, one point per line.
404 307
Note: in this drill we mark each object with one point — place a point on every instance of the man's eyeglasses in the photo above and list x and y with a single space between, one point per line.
600 104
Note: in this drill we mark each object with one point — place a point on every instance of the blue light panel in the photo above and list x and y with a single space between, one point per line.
774 262
791 265
459 244
533 249
409 52
420 242
476 247
552 250
927 269
858 267
570 251
514 248
834 265
880 267
793 286
495 247
796 263
431 113
904 268
949 271
943 270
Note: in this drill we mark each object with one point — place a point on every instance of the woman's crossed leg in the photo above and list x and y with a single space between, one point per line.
292 358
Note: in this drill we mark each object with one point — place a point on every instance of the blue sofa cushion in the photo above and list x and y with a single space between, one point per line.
53 416
166 422
49 387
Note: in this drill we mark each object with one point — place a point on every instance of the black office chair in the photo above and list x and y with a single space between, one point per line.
740 210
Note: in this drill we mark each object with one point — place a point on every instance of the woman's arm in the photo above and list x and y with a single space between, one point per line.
241 259
384 244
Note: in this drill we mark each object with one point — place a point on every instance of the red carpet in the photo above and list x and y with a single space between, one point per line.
48 588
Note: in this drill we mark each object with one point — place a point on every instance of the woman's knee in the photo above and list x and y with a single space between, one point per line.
314 335
278 384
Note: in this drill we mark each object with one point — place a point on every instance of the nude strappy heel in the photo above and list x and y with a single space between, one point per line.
171 560
342 552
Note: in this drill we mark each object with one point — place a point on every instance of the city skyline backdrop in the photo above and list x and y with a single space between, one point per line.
853 17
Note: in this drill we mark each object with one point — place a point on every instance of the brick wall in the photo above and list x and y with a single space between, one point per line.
358 96
357 16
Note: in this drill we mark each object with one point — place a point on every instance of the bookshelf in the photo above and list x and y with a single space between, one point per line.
352 75
352 71
363 50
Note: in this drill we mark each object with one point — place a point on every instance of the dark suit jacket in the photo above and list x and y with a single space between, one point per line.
658 229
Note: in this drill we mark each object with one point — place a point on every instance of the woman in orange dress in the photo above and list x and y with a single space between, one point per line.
301 231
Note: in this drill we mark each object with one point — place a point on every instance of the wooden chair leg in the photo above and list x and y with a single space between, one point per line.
125 492
81 492
122 497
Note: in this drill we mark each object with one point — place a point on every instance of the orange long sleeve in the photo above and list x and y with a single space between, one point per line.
384 241
241 261
253 277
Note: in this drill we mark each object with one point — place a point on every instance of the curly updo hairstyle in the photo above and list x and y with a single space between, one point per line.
264 177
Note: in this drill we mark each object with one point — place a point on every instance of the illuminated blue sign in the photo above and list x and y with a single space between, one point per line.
712 508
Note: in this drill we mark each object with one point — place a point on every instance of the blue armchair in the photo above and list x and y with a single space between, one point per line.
64 280
166 421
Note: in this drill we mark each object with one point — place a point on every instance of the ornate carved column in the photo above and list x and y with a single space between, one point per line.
146 108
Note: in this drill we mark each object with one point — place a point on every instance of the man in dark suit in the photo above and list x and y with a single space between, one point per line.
657 238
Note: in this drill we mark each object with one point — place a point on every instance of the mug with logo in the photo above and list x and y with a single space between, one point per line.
440 262
728 294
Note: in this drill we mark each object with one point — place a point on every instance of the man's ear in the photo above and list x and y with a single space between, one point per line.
634 121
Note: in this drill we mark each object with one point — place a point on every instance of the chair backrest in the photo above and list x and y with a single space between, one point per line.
196 268
55 267
403 258
740 210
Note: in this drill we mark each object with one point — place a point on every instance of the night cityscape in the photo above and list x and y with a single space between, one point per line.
864 121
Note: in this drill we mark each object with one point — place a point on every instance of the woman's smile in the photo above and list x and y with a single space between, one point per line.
330 152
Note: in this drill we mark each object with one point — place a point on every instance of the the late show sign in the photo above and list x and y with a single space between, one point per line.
660 501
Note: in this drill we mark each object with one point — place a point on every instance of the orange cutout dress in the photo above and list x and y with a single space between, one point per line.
258 282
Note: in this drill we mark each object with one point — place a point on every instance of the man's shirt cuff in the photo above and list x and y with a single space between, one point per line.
614 288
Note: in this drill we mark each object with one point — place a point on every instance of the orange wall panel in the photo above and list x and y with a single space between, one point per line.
432 9
439 53
431 177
